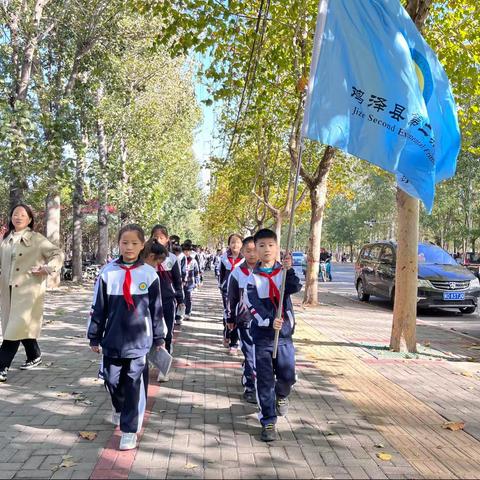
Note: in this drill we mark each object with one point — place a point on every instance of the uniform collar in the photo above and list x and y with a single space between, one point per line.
119 261
257 267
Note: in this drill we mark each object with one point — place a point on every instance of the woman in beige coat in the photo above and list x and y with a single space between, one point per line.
27 258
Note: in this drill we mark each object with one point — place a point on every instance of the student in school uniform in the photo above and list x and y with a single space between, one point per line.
170 283
191 278
231 259
274 377
216 263
125 320
180 311
239 317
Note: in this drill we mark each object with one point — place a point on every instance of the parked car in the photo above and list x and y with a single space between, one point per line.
442 282
298 262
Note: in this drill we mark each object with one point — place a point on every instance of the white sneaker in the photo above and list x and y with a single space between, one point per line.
116 418
186 317
128 441
162 378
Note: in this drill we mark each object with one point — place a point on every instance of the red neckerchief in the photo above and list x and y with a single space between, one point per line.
245 270
273 291
189 259
235 262
127 284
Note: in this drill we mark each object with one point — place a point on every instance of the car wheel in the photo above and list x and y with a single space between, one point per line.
468 310
362 296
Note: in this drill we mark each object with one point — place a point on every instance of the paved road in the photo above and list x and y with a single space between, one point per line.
343 284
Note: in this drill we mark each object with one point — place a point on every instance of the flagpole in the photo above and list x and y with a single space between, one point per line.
317 43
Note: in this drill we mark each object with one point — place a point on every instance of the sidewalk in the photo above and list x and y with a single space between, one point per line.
347 406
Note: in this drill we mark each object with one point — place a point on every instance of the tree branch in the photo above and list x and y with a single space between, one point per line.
274 210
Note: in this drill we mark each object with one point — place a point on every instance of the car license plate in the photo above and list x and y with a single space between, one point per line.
453 296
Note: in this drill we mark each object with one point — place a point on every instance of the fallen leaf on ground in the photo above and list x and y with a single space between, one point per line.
87 403
475 347
67 462
329 433
454 426
384 456
63 395
467 374
379 445
332 422
189 466
88 435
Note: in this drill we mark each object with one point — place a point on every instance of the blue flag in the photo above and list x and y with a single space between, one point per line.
378 91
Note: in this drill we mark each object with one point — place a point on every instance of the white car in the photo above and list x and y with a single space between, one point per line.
298 261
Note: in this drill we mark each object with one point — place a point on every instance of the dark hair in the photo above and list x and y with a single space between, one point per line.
175 239
162 228
263 234
188 242
247 240
176 249
186 246
153 247
233 235
11 227
132 227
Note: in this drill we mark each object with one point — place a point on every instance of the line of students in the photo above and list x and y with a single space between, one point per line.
250 280
136 300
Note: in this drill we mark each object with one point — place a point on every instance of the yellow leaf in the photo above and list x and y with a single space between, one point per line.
454 426
190 466
67 464
88 435
384 456
467 374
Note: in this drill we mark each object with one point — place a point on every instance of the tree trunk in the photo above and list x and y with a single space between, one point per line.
124 214
318 197
77 201
278 230
52 228
102 250
16 193
406 275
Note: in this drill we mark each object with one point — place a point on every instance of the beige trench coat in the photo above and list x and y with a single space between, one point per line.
22 314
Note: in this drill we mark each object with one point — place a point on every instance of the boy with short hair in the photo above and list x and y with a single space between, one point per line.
239 317
274 377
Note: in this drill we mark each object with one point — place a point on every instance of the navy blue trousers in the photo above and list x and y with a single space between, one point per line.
230 335
274 378
169 308
187 291
246 344
126 379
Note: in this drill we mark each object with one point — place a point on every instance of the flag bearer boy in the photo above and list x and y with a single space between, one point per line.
274 377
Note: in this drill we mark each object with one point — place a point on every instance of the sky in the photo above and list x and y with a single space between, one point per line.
202 146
